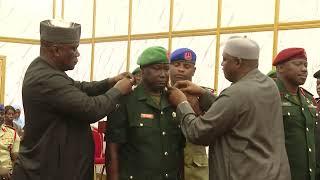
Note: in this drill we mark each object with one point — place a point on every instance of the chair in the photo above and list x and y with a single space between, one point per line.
99 156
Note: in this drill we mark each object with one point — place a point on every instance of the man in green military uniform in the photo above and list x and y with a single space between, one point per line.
299 112
143 139
182 67
317 76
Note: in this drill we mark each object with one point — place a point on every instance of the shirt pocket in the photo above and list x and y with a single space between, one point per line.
141 128
293 119
200 160
142 123
7 143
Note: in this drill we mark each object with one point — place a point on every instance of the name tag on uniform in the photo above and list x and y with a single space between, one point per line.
286 103
147 116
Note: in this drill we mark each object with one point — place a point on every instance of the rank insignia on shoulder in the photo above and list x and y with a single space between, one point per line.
312 106
147 116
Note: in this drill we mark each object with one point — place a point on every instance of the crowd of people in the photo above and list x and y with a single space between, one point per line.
262 127
11 132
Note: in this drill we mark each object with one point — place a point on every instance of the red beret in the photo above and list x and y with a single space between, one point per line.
289 54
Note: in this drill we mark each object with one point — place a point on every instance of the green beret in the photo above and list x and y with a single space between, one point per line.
153 55
136 71
272 73
58 31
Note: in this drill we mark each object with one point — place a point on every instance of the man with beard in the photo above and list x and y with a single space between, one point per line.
299 112
143 139
243 125
58 141
182 67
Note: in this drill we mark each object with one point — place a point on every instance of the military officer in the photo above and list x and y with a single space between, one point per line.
182 67
144 140
317 76
9 148
299 112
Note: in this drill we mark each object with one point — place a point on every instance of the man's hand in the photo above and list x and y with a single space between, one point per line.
118 77
176 96
190 88
124 85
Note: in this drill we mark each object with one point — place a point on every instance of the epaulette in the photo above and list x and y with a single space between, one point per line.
305 92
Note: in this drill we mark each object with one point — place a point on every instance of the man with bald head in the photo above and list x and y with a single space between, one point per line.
299 112
243 126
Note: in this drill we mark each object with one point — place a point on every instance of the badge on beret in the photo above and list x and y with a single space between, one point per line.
174 114
147 116
188 56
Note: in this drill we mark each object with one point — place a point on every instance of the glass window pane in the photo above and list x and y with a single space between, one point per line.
21 18
138 46
18 58
297 10
293 38
112 17
80 11
150 16
265 41
247 12
205 49
190 14
81 72
109 59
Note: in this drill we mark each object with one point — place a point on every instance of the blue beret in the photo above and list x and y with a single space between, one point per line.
183 54
1 107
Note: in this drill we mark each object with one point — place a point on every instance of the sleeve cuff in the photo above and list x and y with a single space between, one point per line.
205 100
114 95
183 109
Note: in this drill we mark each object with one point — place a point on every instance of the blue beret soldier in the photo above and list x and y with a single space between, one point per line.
182 67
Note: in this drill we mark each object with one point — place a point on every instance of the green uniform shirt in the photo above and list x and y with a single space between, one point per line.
151 141
299 119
